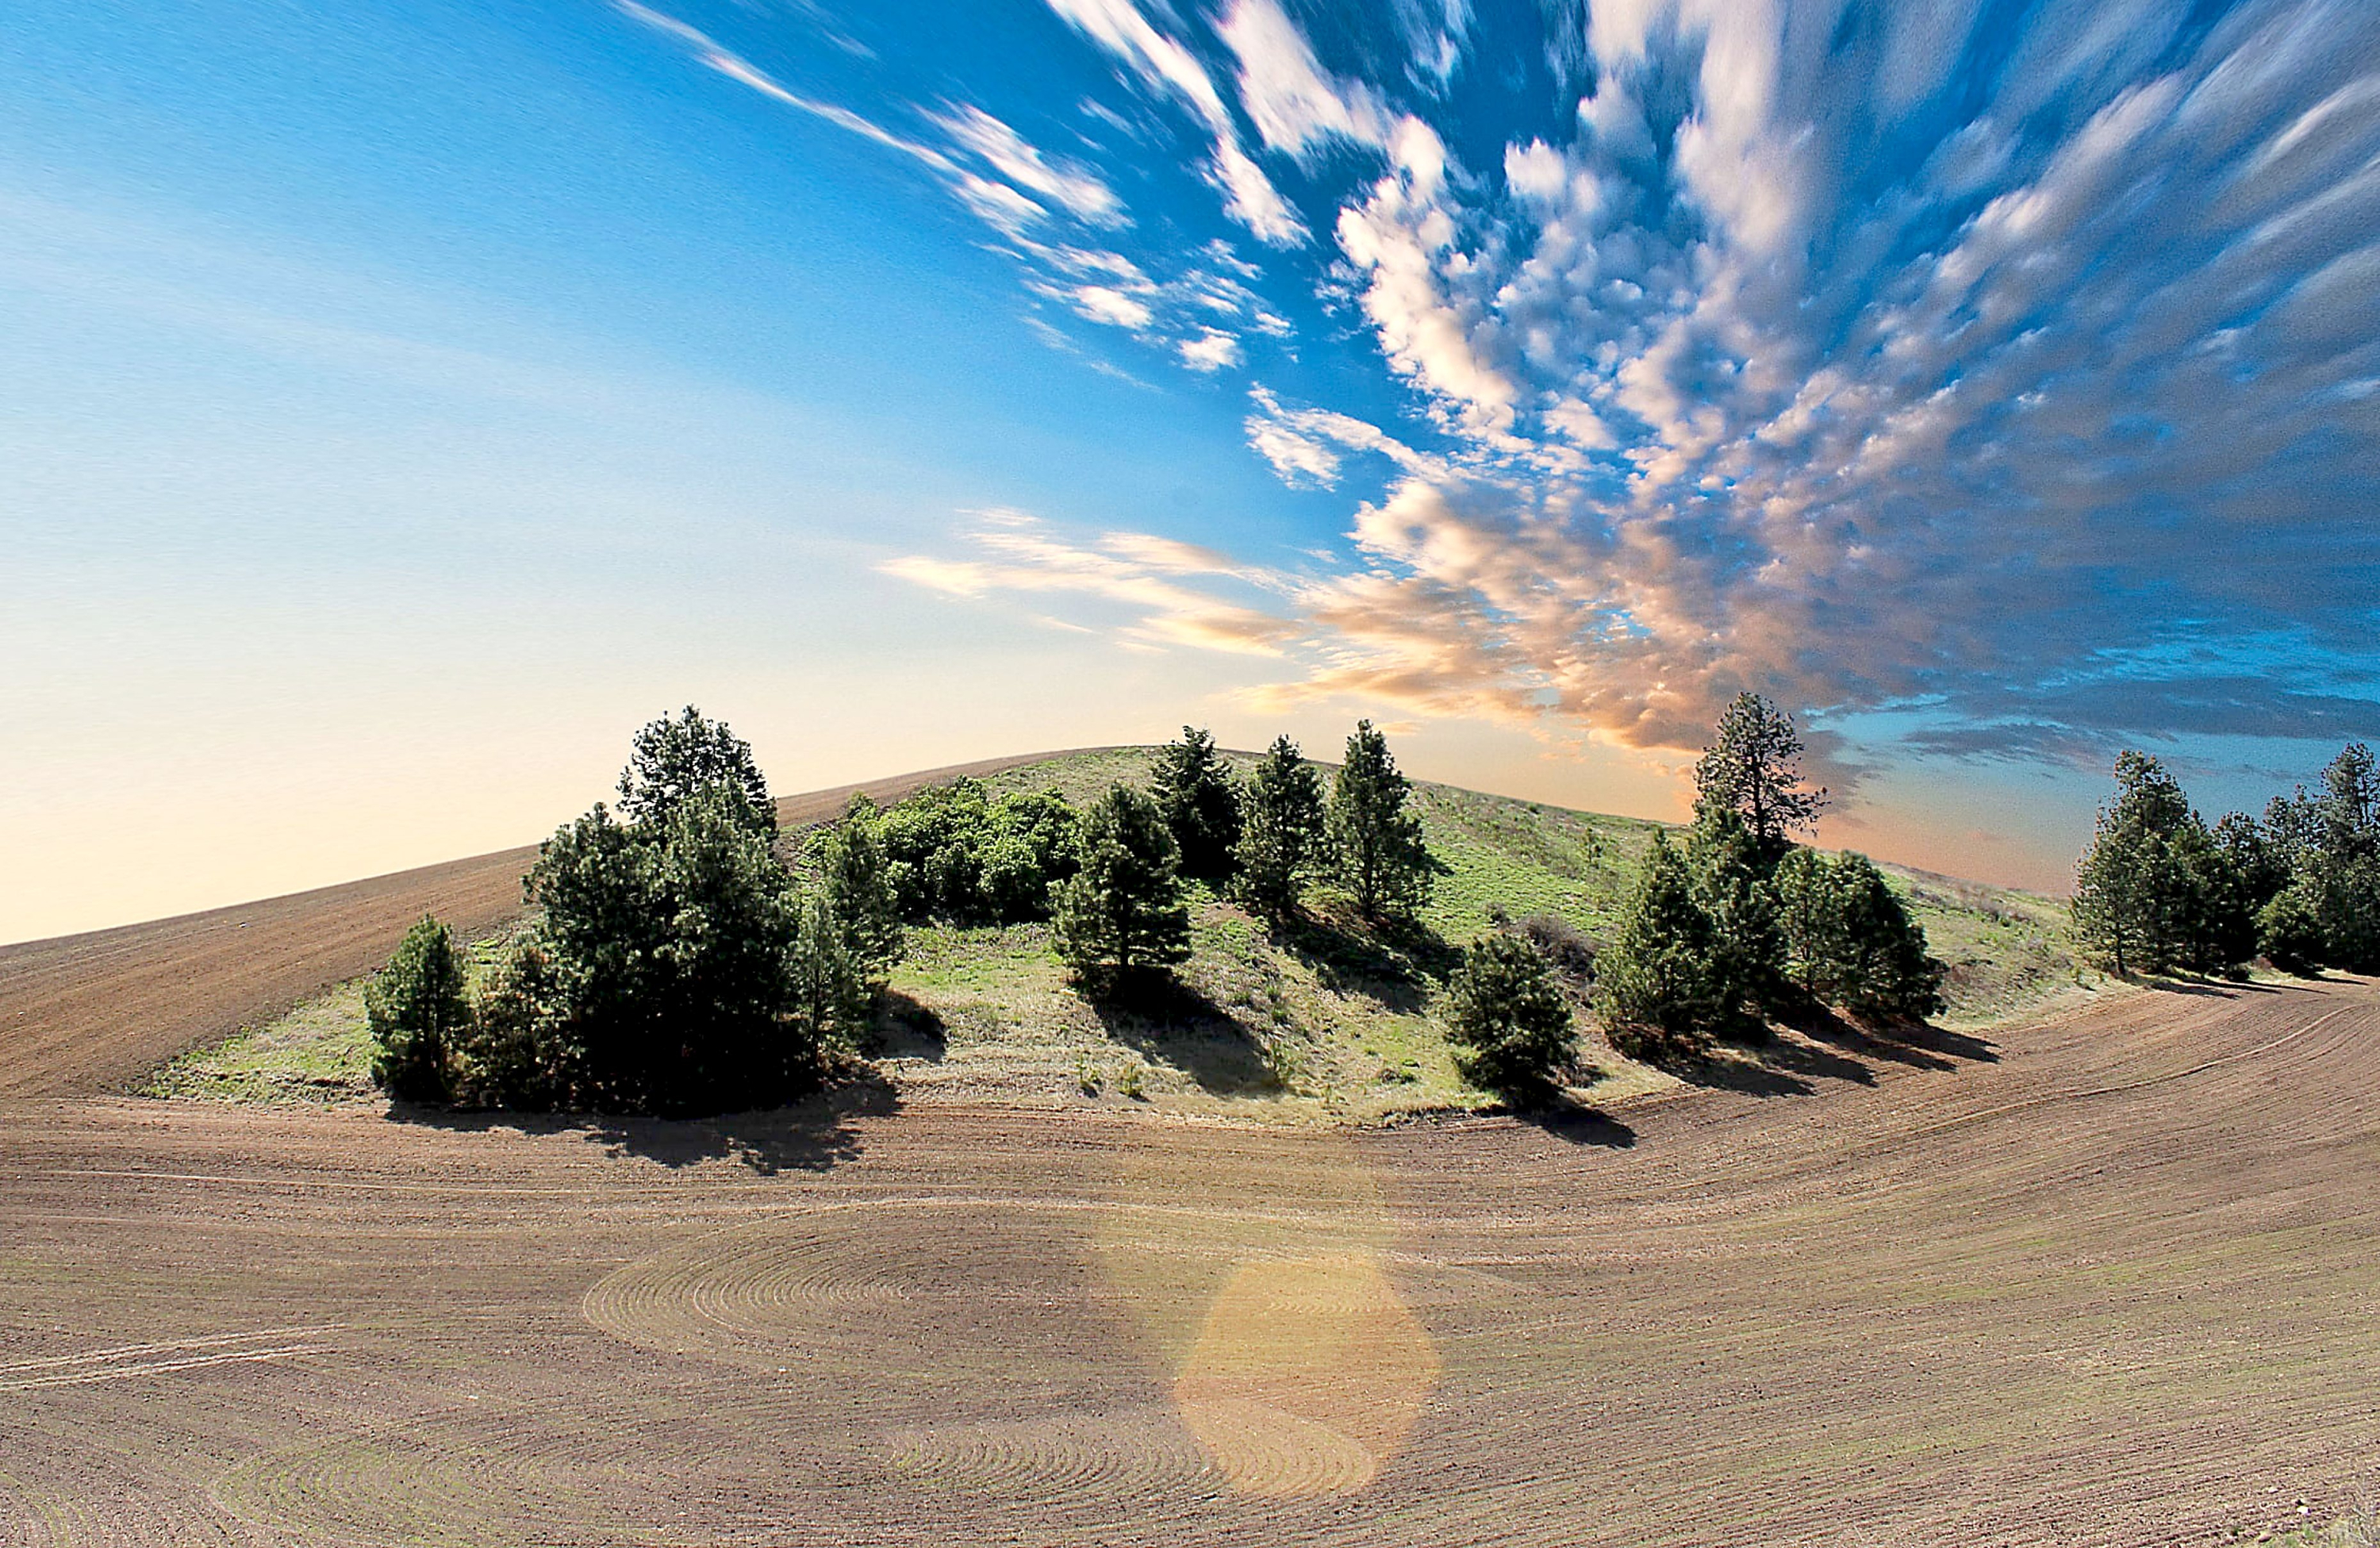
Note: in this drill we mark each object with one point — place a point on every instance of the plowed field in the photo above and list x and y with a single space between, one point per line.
2113 1285
94 1012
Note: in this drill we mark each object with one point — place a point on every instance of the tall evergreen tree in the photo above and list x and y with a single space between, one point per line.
2154 892
419 1015
1881 967
1753 768
1123 908
1654 987
675 757
1732 873
1195 790
1377 844
1282 830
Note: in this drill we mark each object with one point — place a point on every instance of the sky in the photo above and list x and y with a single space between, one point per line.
404 402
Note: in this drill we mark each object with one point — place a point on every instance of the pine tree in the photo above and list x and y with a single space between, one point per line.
1882 970
418 1016
1731 880
1282 830
673 758
1197 796
1654 987
2154 892
856 888
831 992
1123 908
1377 844
1753 769
1509 1017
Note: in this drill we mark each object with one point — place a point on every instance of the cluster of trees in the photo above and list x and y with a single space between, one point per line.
675 963
2160 891
1742 924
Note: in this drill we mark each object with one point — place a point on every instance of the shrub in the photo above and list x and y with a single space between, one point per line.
1567 949
855 887
1510 1020
417 1014
1195 790
2289 932
1281 830
1123 908
955 854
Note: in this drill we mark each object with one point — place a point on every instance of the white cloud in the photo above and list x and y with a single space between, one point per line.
1072 187
1212 350
1293 106
1162 63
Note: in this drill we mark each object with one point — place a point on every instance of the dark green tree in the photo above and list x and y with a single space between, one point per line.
1123 908
855 884
671 960
1753 769
1506 1015
2258 860
515 1057
1731 870
2342 874
2154 892
1654 987
673 758
1283 830
1882 970
1194 789
419 1014
1377 845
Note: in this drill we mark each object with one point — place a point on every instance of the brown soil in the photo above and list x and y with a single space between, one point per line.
96 1011
2111 1281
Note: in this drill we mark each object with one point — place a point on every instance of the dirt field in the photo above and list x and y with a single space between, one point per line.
2111 1281
89 1012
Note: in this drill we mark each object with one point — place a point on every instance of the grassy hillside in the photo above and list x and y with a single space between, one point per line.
1326 1023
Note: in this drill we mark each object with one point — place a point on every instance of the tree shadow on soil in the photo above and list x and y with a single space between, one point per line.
1170 1022
1579 1124
1392 962
813 1135
1918 1044
906 1027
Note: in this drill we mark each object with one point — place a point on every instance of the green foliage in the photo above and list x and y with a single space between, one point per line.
1730 868
856 888
1124 906
674 758
1656 988
1849 940
513 1057
417 1011
2156 892
1753 769
1377 844
832 989
1195 790
669 986
1281 832
956 854
2289 932
1509 1017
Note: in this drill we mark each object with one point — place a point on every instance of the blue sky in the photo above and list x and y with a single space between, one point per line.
407 401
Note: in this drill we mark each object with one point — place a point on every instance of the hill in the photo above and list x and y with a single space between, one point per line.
1328 1022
